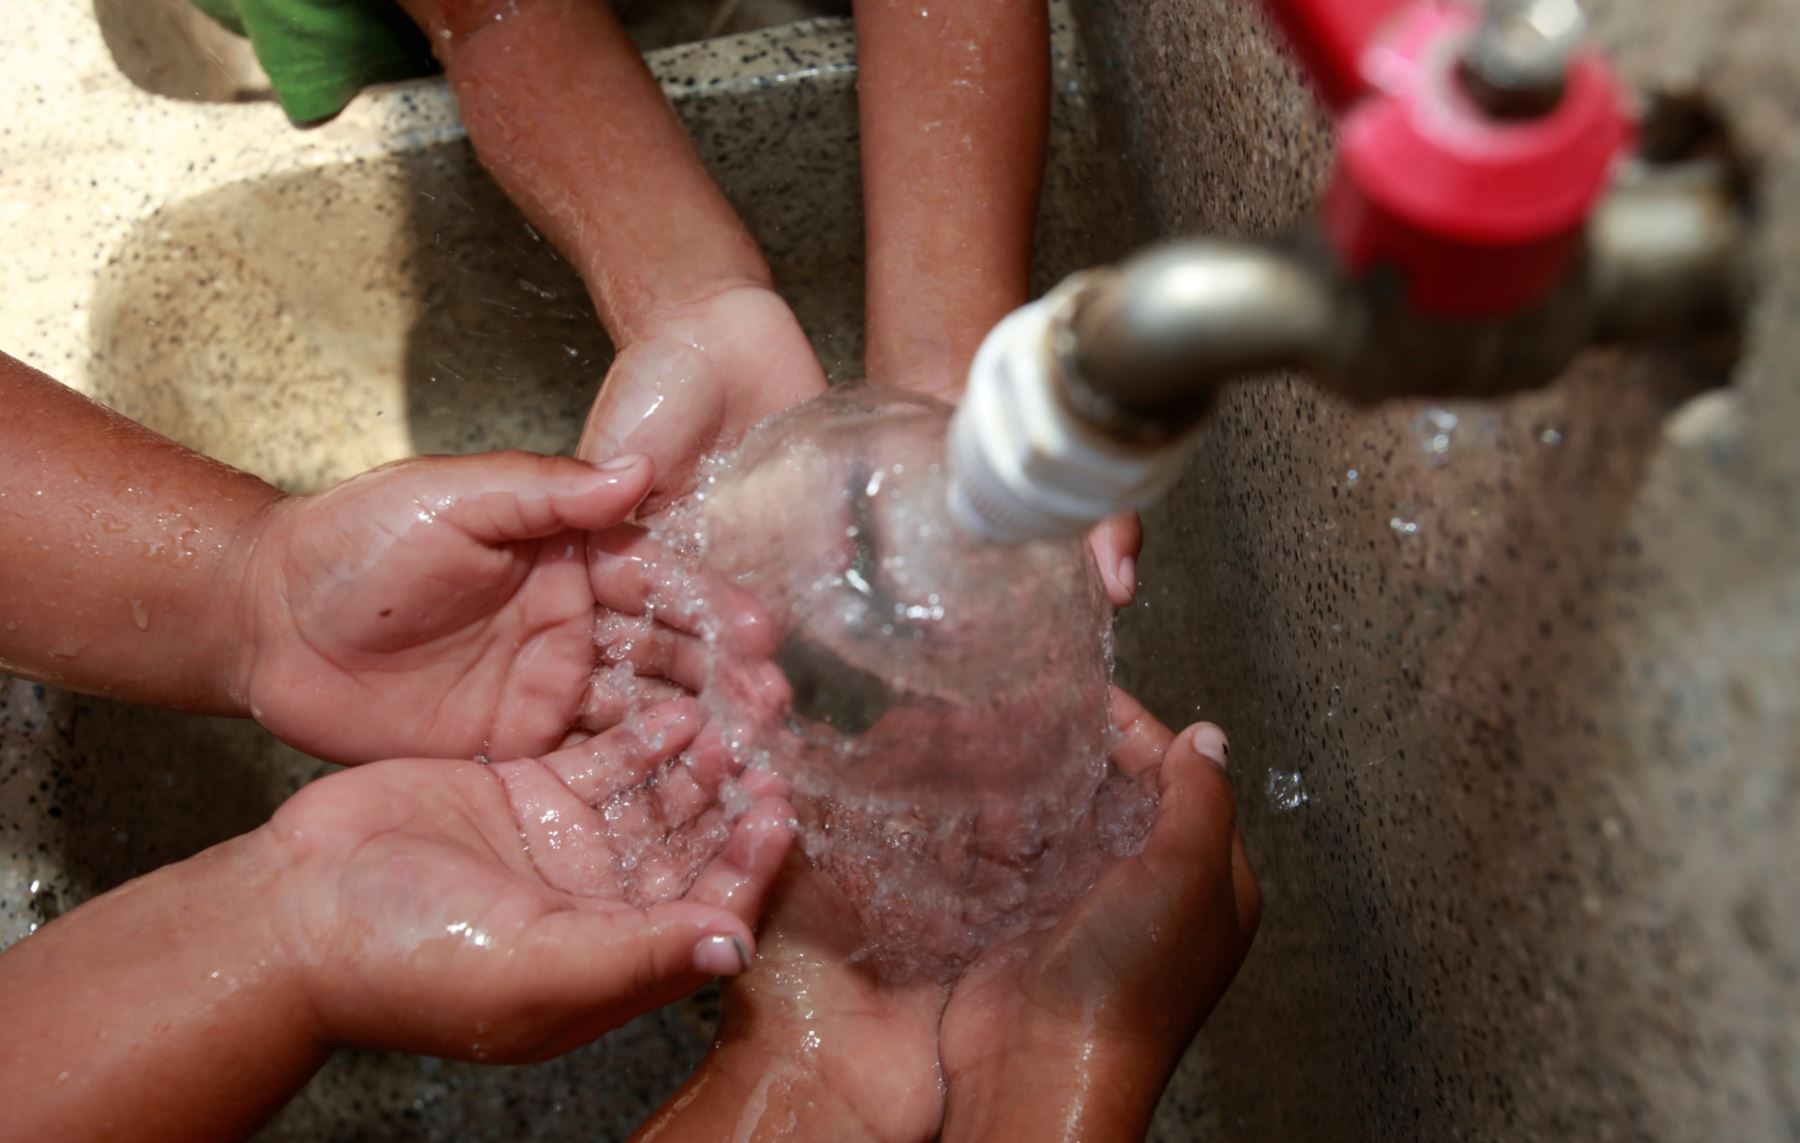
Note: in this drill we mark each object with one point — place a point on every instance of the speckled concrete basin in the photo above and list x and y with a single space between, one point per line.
1515 725
306 304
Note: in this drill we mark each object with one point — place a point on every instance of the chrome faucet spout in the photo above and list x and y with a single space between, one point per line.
1148 345
1083 404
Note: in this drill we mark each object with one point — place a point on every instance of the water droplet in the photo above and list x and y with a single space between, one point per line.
1286 791
1403 526
1551 437
1436 429
1351 477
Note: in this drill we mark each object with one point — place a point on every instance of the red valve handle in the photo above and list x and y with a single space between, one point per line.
1480 216
1330 37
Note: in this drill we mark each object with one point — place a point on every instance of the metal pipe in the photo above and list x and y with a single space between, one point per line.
1669 255
1081 405
1146 346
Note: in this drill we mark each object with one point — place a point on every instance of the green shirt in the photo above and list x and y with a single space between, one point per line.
320 53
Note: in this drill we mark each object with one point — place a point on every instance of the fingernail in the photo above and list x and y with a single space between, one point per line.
721 956
1210 742
621 463
1128 575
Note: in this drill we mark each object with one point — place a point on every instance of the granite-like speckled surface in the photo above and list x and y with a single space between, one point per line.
308 303
1515 726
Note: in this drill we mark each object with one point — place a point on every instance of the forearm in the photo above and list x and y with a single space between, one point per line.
120 551
954 111
160 1010
744 1090
569 120
1054 1091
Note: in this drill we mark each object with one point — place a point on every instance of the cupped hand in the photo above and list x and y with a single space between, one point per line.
1086 1020
508 912
696 379
451 607
811 1046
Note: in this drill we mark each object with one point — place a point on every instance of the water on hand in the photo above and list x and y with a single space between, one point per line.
938 705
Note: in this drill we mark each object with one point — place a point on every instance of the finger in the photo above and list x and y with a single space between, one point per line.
1196 820
666 871
1116 544
561 837
1142 741
632 573
761 781
617 759
617 692
697 780
1245 890
680 796
619 963
655 651
739 878
718 852
757 693
663 398
510 496
711 759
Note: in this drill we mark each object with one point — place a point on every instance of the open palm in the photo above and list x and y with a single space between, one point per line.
506 912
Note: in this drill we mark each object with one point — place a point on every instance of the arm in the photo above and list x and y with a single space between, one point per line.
571 123
162 1010
954 111
745 1091
955 107
116 548
1053 1090
447 908
449 601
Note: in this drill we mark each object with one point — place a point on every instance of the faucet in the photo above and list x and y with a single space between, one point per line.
1494 210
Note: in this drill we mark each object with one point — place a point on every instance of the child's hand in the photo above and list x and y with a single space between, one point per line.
483 912
697 378
441 607
503 913
1080 1026
811 1046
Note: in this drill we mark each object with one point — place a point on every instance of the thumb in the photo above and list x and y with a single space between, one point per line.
1196 820
510 496
661 398
1116 543
619 963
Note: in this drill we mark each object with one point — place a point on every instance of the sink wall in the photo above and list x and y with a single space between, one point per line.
1534 878
170 48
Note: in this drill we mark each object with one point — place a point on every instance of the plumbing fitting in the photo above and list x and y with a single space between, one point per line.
1484 224
1516 64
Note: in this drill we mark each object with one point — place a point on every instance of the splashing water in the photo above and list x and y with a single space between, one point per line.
938 706
1436 430
1286 791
